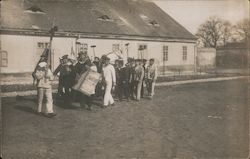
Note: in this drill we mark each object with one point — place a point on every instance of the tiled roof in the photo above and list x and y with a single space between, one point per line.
116 17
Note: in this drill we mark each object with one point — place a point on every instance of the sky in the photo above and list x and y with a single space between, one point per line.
192 13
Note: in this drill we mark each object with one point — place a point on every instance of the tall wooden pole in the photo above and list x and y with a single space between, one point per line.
52 33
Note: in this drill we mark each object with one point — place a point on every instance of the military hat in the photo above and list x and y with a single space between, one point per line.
64 57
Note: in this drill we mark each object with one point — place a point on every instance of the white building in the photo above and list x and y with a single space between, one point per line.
107 24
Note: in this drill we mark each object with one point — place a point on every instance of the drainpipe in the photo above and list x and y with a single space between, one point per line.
195 58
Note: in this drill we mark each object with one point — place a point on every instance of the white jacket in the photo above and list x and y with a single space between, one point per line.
109 73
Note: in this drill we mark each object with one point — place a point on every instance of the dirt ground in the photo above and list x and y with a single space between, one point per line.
205 120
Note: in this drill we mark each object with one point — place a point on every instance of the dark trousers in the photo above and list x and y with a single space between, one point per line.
98 90
88 100
60 86
142 89
132 88
82 98
122 90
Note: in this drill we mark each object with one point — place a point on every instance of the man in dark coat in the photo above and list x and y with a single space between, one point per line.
123 82
66 77
131 67
144 62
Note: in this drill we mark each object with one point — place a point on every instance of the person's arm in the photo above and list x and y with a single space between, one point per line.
49 75
156 74
57 70
142 74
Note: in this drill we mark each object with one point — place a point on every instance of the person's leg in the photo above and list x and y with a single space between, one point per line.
152 89
135 89
60 86
107 94
111 99
90 101
130 86
82 99
148 87
40 94
120 91
138 93
126 90
49 100
142 89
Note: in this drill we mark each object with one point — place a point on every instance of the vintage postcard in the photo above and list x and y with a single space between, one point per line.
124 79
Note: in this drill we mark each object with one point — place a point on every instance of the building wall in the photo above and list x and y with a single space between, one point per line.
23 51
232 58
206 57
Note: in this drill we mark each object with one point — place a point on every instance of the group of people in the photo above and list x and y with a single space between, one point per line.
119 80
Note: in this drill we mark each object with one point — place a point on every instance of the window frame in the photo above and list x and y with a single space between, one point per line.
43 45
115 47
165 49
81 47
184 53
4 59
142 53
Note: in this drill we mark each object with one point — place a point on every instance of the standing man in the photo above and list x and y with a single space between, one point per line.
65 78
109 77
144 62
121 80
131 67
44 76
80 68
138 78
152 74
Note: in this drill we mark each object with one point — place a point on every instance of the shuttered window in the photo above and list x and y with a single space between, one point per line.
4 58
165 53
184 53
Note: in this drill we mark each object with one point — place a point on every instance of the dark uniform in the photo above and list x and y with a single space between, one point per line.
98 90
124 82
66 78
130 68
144 79
138 75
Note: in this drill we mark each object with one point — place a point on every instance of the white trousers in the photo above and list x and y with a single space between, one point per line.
153 89
47 93
108 99
138 90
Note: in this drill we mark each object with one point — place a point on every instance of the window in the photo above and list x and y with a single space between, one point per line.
81 47
184 53
142 51
35 10
4 58
165 53
105 18
149 21
42 45
115 47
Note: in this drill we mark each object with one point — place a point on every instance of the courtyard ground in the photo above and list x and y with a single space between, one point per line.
204 120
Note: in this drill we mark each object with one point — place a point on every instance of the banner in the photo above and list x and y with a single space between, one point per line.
87 82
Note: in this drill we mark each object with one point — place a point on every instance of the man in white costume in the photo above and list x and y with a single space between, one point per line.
109 78
152 75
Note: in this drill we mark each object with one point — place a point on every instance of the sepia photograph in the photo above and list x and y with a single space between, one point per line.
124 79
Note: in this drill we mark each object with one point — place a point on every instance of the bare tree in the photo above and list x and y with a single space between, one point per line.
226 32
243 29
214 32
